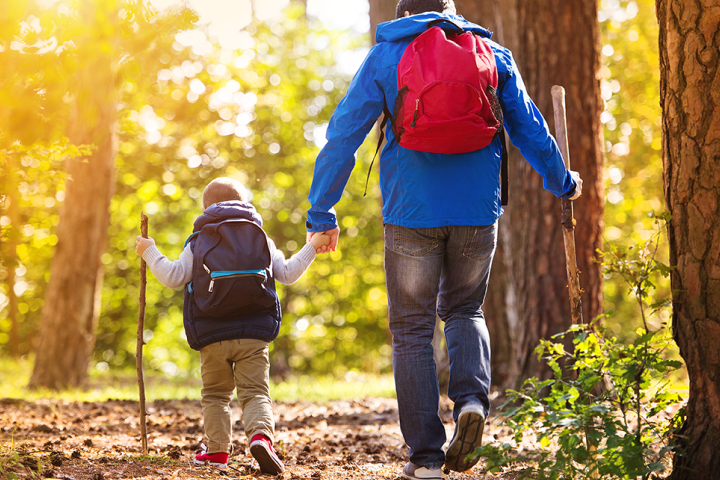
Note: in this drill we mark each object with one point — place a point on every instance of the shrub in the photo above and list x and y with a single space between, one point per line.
597 417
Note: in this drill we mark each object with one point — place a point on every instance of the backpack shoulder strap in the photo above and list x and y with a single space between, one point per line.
444 21
193 235
497 110
503 170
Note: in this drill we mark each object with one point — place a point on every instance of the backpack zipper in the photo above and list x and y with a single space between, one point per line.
212 282
232 274
417 110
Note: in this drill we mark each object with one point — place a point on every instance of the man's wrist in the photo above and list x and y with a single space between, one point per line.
319 221
571 193
319 227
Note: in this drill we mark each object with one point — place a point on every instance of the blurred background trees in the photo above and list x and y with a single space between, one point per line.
194 106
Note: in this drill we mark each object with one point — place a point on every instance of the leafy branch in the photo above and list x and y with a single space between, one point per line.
570 431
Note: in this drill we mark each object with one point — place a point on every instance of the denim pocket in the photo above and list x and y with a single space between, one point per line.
415 242
481 241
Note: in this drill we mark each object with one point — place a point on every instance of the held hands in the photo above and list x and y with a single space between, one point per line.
324 247
319 239
142 244
578 190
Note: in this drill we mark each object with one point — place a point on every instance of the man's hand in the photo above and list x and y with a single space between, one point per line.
142 244
330 247
578 190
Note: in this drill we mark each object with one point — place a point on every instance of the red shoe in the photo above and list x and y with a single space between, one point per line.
219 460
261 449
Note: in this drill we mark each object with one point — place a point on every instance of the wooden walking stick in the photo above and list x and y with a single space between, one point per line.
140 339
568 222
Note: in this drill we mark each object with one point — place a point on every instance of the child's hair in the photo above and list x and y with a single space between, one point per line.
224 189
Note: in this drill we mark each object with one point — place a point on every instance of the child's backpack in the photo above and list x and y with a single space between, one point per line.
232 269
447 95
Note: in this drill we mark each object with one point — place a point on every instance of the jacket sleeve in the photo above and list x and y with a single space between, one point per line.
290 270
355 115
528 130
171 274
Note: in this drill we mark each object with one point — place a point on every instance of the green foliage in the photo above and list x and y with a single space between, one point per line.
641 271
33 75
632 132
16 462
191 112
192 109
323 389
123 385
40 47
31 180
599 416
198 111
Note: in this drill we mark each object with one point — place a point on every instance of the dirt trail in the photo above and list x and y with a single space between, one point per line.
77 441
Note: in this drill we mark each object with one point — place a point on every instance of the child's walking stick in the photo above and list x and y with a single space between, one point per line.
140 340
568 222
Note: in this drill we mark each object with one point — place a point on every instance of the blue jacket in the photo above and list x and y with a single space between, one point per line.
419 189
201 329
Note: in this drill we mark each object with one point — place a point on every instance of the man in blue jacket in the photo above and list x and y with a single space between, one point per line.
440 214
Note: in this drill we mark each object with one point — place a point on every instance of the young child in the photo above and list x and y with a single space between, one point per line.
233 329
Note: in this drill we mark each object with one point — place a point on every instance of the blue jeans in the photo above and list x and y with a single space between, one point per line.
443 271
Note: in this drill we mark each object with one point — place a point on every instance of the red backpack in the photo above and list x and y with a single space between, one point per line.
447 96
447 99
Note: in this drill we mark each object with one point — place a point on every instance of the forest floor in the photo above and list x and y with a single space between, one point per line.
96 441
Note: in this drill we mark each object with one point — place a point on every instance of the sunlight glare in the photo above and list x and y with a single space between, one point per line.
225 19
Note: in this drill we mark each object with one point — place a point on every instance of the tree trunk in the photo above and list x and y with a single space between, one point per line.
689 79
72 300
554 42
380 11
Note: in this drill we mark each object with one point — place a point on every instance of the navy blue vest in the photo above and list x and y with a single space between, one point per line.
202 329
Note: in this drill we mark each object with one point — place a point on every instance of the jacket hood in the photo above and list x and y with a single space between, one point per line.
413 25
223 210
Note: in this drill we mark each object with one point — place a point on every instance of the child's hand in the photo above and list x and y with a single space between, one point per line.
142 244
319 239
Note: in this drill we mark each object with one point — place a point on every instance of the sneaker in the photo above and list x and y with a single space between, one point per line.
416 472
262 450
219 460
467 437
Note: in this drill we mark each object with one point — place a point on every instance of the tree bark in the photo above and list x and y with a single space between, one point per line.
554 42
72 300
380 11
689 79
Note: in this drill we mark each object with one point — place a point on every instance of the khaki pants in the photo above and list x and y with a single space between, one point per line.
228 364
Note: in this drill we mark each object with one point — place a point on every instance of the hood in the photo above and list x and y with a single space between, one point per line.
413 25
224 210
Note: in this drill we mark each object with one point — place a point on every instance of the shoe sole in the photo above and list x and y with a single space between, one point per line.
265 459
410 477
221 466
468 437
